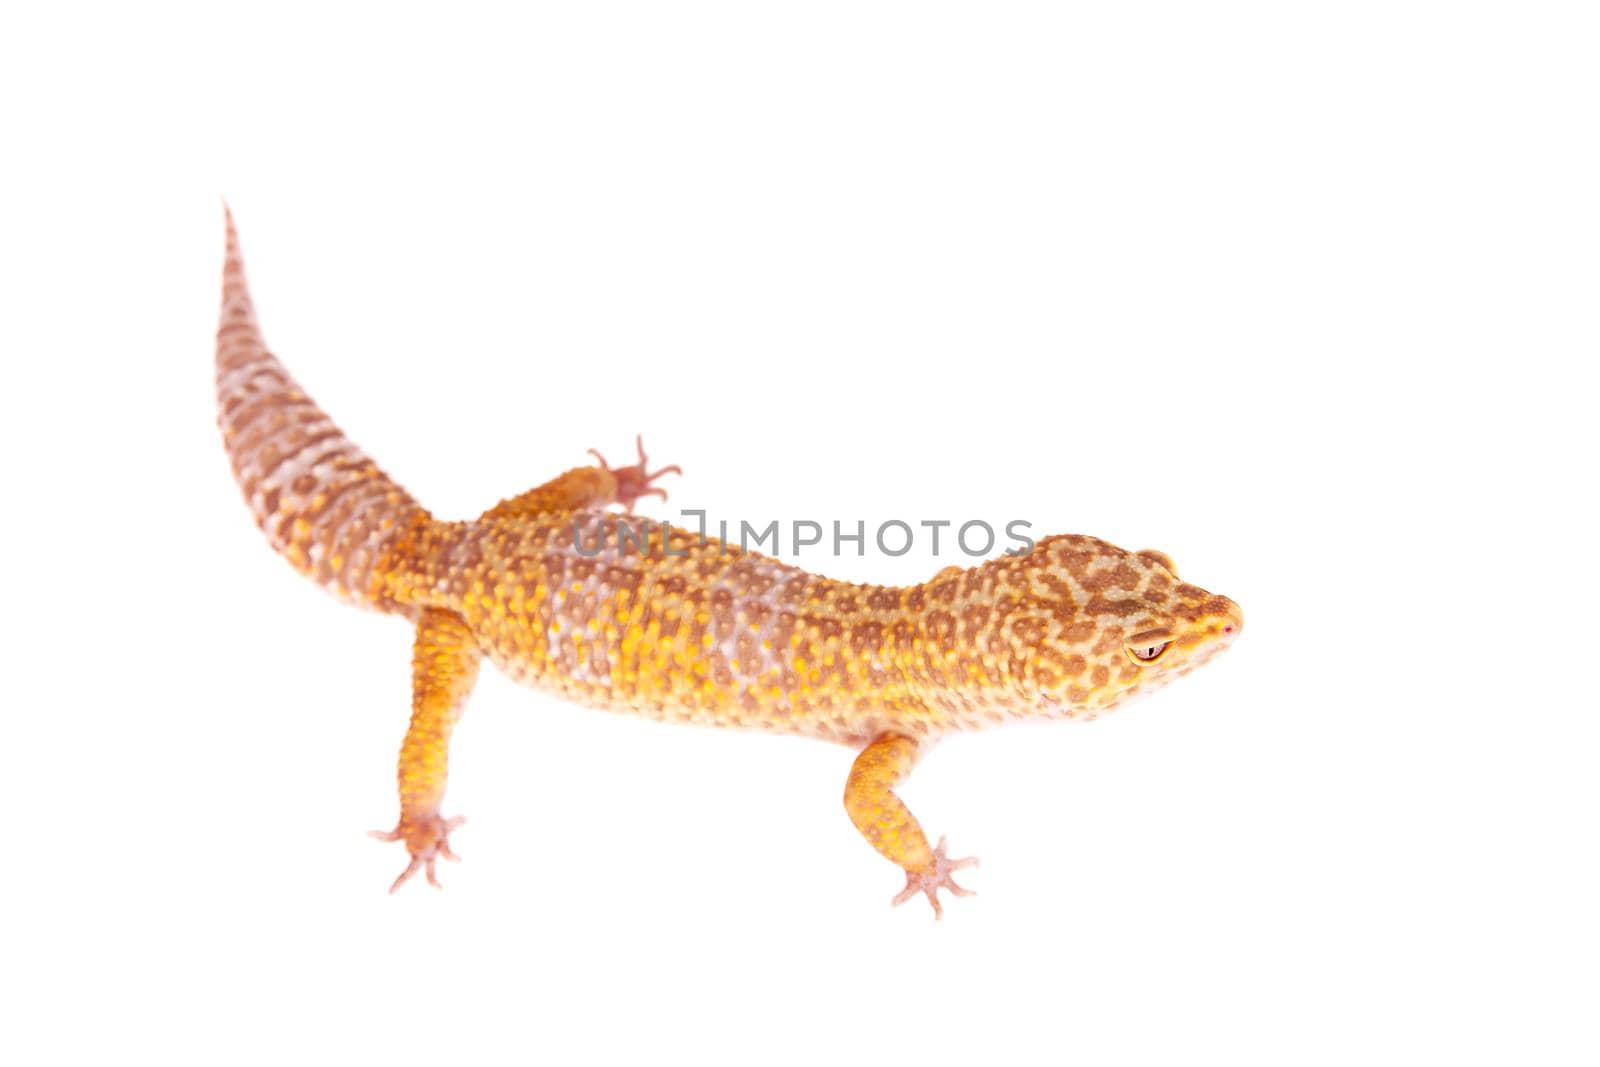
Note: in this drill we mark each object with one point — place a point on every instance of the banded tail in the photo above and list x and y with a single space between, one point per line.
322 503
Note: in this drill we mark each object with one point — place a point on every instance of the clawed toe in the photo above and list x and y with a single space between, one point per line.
934 878
634 482
427 840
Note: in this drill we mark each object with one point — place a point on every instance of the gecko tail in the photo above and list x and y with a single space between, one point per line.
324 506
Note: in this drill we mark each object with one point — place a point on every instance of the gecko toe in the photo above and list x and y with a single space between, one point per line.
635 482
405 876
936 876
427 839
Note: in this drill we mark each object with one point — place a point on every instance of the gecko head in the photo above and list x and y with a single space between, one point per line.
1119 624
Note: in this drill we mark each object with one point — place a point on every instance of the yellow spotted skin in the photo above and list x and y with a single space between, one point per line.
626 614
694 631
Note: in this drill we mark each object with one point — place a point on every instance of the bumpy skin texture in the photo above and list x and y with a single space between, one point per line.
603 609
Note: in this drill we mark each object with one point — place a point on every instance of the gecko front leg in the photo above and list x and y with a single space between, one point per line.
888 825
444 666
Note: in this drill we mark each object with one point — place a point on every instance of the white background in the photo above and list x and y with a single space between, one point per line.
1304 296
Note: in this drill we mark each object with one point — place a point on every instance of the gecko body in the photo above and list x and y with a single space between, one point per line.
563 594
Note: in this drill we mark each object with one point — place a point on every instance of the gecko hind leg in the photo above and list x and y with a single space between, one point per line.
428 841
634 482
444 666
888 825
585 487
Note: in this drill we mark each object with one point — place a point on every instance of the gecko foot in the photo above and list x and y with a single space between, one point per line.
634 482
935 878
426 839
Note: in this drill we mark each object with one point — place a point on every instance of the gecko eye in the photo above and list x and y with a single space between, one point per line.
1147 647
